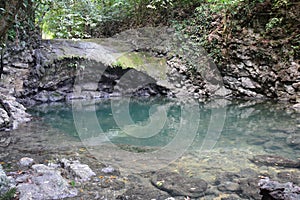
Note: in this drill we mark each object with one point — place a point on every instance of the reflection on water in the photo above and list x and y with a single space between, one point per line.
156 122
152 133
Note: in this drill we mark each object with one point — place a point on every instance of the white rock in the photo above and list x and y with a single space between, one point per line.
26 162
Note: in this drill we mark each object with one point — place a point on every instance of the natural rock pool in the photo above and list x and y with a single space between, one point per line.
164 145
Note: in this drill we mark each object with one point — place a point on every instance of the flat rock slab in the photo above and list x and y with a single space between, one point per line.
271 160
178 185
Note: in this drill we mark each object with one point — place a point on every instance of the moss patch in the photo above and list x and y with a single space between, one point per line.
143 61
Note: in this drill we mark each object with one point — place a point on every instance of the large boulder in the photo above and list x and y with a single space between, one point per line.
46 183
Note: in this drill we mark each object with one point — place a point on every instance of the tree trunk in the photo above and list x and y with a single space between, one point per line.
11 8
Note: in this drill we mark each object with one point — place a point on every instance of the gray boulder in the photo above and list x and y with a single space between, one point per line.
80 171
45 183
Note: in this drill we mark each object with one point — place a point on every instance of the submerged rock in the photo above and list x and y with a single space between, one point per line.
293 141
178 185
229 186
278 191
289 176
140 192
272 160
241 183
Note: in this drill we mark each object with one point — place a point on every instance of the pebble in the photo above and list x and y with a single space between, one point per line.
108 170
26 162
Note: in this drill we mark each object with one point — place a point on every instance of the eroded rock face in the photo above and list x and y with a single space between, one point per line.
251 72
4 119
12 113
255 70
63 82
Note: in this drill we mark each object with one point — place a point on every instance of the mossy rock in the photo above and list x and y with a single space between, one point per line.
143 61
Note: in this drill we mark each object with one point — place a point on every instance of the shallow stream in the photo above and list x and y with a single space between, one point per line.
140 135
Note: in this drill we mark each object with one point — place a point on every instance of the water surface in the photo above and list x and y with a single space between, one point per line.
205 139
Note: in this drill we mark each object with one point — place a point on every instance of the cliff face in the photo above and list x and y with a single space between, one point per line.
155 62
254 44
261 68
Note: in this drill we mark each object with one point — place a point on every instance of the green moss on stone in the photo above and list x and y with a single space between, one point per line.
143 61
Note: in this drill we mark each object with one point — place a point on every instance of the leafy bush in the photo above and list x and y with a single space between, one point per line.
94 18
68 18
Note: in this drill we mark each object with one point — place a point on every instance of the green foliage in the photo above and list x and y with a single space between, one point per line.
10 194
94 18
280 4
68 18
73 183
197 30
273 22
219 5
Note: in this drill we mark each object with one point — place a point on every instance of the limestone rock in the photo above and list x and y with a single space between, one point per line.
81 171
26 162
48 185
20 65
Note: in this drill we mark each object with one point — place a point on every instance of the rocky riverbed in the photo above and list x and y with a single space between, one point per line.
71 179
88 169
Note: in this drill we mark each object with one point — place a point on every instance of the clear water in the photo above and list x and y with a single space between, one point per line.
153 133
